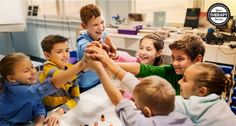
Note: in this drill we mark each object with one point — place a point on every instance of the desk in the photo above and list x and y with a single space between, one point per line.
92 104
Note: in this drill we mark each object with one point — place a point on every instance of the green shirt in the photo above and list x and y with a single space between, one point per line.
166 71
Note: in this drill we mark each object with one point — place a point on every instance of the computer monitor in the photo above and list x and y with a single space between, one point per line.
228 27
192 17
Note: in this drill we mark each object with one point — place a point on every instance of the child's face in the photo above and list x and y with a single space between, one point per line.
147 52
187 85
59 54
95 27
180 61
24 72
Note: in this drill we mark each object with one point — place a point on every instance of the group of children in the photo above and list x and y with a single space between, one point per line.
27 95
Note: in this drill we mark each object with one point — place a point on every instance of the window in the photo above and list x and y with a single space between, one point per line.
175 9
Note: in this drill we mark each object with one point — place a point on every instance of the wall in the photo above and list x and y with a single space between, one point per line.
43 25
230 3
37 28
6 45
175 9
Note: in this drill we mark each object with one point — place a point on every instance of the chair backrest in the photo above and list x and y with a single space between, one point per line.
226 68
73 57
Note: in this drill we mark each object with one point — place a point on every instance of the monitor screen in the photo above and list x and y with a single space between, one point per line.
192 17
228 27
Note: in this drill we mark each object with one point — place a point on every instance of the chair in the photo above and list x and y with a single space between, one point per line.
73 57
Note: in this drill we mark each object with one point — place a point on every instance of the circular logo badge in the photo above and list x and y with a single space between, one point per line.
218 14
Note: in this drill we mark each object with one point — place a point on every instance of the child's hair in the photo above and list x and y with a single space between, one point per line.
211 77
88 12
157 94
49 41
158 42
8 62
191 44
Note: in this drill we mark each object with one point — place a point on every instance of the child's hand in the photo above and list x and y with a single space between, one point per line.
112 52
94 43
96 53
53 119
38 124
93 64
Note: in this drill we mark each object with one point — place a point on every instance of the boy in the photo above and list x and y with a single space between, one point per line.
94 23
154 100
185 52
56 50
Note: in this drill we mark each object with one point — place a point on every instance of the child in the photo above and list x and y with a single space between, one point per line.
150 49
154 99
94 23
201 88
185 52
56 50
21 98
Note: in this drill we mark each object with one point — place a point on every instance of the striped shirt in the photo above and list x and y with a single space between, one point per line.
66 96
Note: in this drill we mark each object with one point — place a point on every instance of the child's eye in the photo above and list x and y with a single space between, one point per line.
179 59
26 70
95 25
149 49
59 51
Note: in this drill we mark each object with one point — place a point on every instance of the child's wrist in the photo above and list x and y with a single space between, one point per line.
116 56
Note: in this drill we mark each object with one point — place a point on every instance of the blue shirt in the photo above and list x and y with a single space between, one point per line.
89 78
21 103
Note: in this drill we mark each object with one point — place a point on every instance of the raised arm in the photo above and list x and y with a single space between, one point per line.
113 93
133 68
61 78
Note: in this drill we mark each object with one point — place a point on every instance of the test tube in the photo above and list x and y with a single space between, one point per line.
103 118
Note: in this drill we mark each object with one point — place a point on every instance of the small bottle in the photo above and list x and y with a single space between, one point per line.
95 123
103 118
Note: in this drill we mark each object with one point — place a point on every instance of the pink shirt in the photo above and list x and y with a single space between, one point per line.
126 57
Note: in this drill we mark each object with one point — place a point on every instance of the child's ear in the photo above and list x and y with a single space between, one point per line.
199 58
203 91
147 112
83 25
46 54
159 53
11 78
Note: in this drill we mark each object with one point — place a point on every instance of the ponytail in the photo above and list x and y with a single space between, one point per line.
211 77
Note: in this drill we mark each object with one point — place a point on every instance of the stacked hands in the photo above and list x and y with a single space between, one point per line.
98 51
107 46
97 56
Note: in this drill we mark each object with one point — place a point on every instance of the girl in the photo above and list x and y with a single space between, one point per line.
150 50
21 96
201 89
